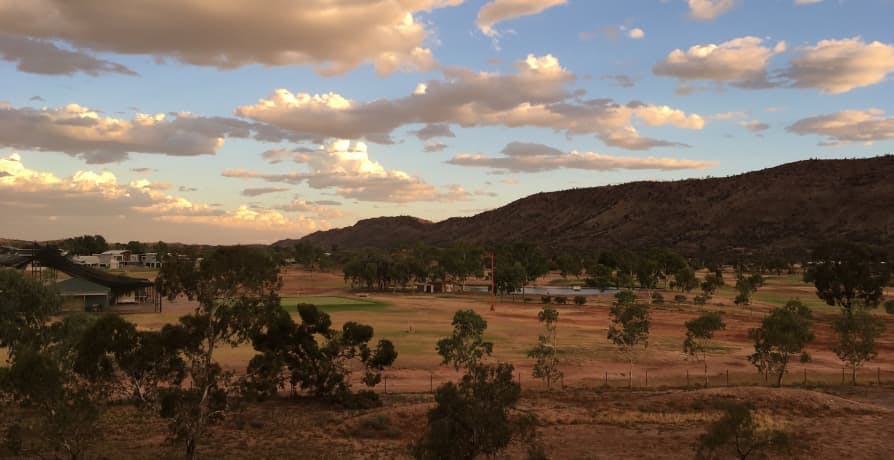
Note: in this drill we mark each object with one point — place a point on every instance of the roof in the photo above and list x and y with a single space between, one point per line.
116 252
80 286
51 257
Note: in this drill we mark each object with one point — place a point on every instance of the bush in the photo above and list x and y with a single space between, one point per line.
375 427
545 299
657 297
527 300
561 299
679 298
580 300
700 299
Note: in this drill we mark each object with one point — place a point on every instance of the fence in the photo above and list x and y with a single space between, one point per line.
694 377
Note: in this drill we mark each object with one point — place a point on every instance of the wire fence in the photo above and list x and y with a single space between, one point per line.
643 378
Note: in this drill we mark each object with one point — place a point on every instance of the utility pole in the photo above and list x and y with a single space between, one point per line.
493 291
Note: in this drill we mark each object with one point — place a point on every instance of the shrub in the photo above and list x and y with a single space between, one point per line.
679 298
657 297
375 427
527 300
580 300
545 299
700 299
561 299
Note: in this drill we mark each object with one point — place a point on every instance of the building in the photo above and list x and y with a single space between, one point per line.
150 260
115 259
95 297
87 261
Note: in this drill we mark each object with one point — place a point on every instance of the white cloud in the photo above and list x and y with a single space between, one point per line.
838 66
741 62
754 126
807 2
297 205
531 157
346 167
847 126
708 10
84 132
728 115
636 33
535 96
43 57
333 36
504 10
86 198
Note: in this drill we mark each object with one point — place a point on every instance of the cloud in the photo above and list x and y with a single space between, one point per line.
741 62
838 66
184 188
504 10
297 205
36 98
252 192
43 57
83 132
847 126
327 203
433 147
708 10
728 115
807 2
535 96
624 81
346 167
431 131
87 200
754 126
279 155
532 157
143 170
636 33
509 181
333 36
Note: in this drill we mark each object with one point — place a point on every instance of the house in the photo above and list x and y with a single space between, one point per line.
114 259
150 260
87 261
94 296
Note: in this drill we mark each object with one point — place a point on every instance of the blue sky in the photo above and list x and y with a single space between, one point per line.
525 94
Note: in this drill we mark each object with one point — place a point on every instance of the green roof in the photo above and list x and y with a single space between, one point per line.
80 286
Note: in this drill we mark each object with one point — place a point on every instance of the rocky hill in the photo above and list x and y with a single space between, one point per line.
783 209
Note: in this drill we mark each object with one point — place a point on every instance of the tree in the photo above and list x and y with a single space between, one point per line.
25 309
699 332
135 247
466 347
314 356
745 289
462 260
570 265
857 331
546 366
629 326
599 276
783 334
846 273
236 292
685 279
473 417
711 283
737 434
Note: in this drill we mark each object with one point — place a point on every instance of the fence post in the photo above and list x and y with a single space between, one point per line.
842 376
727 377
386 384
687 377
606 378
431 383
646 372
878 375
805 376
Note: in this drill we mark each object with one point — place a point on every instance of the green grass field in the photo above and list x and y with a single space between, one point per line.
335 303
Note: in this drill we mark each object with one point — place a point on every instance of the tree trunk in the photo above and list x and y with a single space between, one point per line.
853 375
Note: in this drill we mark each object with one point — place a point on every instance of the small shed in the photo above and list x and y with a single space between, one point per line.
95 296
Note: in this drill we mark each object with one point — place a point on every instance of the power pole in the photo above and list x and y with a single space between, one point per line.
493 291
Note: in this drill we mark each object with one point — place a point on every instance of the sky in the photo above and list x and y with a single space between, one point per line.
225 121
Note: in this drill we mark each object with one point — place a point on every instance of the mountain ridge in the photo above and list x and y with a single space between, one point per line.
782 209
